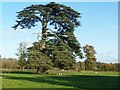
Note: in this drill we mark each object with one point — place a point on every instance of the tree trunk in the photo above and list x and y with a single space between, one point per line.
40 70
37 70
44 36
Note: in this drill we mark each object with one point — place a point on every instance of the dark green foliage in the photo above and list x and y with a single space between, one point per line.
66 40
37 59
58 15
64 60
59 53
90 62
70 39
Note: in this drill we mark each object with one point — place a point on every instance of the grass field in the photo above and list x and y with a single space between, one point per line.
70 79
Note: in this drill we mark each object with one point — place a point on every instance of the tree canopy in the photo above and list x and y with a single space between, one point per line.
61 17
90 62
58 15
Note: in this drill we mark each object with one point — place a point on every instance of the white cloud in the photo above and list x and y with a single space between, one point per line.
28 41
108 57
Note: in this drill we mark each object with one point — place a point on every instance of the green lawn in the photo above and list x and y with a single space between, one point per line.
70 79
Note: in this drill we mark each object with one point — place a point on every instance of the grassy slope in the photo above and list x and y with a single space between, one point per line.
85 79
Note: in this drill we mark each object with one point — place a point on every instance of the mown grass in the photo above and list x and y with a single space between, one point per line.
70 79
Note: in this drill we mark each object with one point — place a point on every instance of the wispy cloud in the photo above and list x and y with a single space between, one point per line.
28 41
109 56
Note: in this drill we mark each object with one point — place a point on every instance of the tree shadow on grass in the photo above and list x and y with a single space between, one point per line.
74 81
20 72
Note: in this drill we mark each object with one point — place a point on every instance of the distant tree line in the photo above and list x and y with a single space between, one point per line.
108 66
80 66
12 63
9 63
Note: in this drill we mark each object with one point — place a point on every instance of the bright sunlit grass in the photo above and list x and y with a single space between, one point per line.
70 79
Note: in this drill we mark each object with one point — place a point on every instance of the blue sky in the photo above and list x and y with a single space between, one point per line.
99 27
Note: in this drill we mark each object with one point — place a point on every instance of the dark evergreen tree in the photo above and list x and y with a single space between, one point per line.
38 60
58 55
64 47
